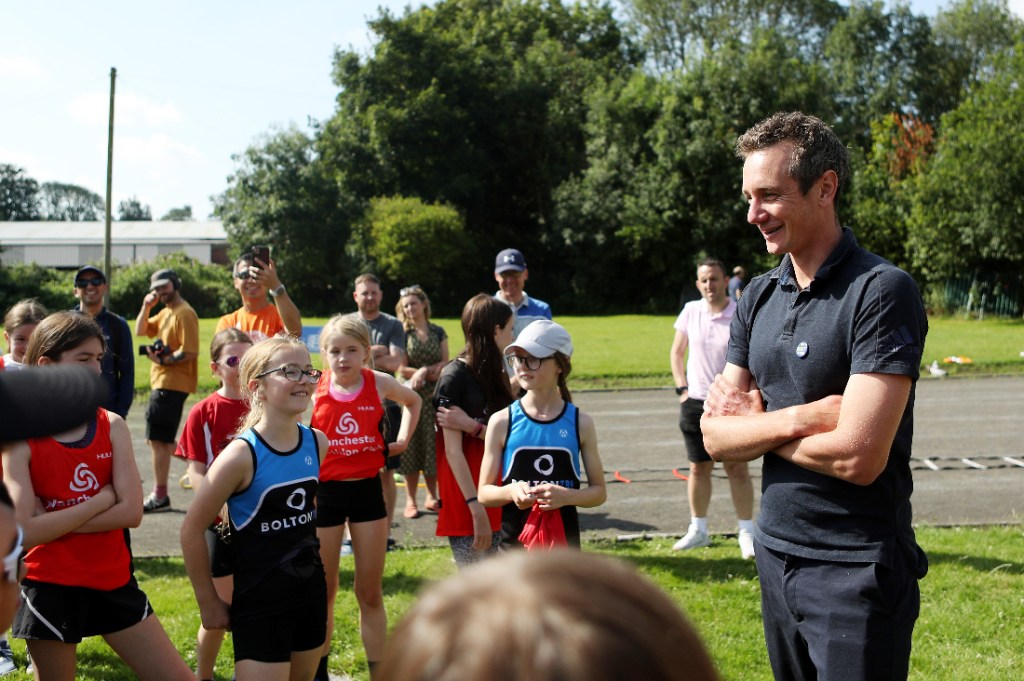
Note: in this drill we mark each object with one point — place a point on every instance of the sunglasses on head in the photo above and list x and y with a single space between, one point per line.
415 288
95 281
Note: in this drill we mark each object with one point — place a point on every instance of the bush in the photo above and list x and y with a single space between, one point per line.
207 288
53 288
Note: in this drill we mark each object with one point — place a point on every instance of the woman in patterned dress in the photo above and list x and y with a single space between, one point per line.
426 346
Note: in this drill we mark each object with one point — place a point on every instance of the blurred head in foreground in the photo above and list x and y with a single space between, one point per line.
546 616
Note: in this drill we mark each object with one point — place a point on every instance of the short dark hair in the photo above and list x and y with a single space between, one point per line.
367 276
246 258
60 332
816 148
712 262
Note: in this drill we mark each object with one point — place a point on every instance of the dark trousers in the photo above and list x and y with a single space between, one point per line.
826 621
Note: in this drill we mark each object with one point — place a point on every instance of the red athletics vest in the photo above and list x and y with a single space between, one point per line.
354 429
62 477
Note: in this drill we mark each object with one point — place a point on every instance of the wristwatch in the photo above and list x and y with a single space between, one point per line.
277 291
681 389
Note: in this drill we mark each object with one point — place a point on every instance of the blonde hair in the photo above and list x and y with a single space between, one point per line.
256 360
400 311
555 615
351 325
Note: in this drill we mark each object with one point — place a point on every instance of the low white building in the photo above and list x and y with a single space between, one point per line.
69 245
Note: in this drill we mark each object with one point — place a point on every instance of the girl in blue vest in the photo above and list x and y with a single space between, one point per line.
534 449
268 477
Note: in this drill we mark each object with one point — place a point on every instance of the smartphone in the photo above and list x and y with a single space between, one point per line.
260 253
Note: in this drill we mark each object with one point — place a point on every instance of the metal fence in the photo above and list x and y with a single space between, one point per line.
978 295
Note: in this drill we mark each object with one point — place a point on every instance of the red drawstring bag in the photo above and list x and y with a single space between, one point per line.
543 530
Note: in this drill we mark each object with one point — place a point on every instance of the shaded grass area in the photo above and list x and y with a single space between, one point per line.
970 624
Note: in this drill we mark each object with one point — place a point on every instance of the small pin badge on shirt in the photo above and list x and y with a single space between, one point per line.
801 350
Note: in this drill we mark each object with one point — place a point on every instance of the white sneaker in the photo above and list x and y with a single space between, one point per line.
746 545
6 659
694 539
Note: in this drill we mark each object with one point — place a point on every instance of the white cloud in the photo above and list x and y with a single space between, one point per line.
18 158
1017 7
21 68
154 153
129 109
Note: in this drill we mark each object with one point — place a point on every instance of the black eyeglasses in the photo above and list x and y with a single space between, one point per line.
95 281
12 561
415 288
232 361
294 373
532 363
243 275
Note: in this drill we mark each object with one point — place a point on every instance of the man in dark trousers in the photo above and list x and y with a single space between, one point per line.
824 354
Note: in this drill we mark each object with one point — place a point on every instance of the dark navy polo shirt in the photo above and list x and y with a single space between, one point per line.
860 314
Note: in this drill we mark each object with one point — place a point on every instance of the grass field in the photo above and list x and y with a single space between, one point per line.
970 624
631 351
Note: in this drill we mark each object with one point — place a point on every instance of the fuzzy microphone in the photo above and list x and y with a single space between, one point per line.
40 401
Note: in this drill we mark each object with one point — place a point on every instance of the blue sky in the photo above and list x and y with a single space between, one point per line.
197 81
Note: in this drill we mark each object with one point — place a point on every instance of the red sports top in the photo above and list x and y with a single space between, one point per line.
63 476
454 518
211 424
355 430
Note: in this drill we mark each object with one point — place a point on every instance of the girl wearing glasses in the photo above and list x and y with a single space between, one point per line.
75 495
534 448
267 476
211 424
471 388
426 346
348 408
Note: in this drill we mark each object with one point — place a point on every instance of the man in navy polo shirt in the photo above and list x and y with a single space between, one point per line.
118 364
511 274
824 354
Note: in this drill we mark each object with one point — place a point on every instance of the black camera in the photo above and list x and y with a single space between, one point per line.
157 347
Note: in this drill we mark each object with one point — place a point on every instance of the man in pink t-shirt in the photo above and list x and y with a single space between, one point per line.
703 328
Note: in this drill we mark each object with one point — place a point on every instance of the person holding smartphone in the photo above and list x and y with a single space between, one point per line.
256 279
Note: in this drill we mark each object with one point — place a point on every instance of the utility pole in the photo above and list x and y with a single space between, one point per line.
110 182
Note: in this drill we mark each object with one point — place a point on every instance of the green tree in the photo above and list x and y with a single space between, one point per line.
662 186
679 34
413 242
966 205
879 61
131 210
18 194
477 104
69 202
879 202
282 195
967 35
183 214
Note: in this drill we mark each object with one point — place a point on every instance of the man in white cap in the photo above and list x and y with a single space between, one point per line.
173 375
511 274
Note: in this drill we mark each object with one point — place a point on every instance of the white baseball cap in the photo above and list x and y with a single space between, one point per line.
543 338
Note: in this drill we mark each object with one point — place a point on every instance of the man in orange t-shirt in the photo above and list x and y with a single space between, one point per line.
257 317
